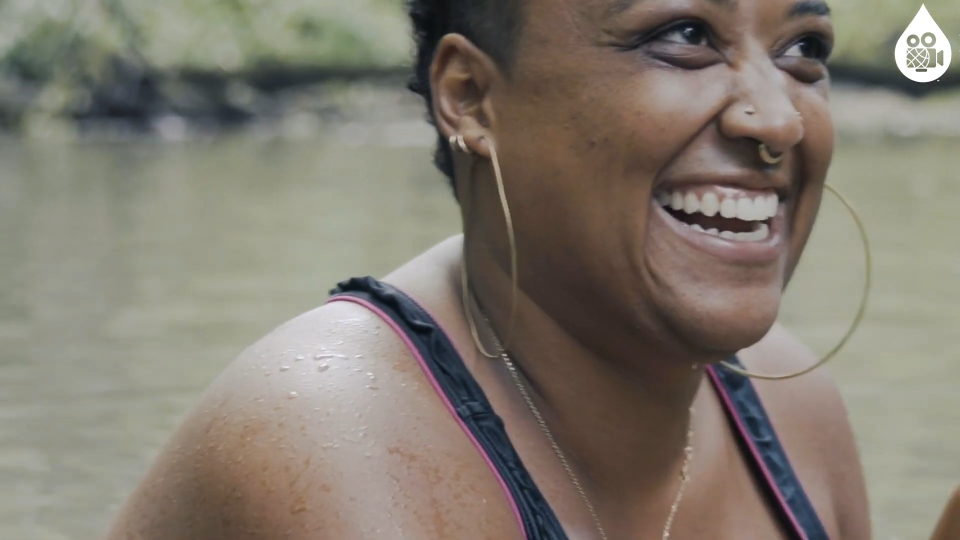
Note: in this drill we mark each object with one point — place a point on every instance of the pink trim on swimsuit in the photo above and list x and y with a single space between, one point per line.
443 397
757 457
738 398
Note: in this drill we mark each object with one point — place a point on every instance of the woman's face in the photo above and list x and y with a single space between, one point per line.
629 132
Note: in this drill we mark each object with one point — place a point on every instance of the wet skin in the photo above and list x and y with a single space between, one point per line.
607 107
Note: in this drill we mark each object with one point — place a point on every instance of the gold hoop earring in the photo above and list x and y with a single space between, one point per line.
464 279
868 263
767 156
457 143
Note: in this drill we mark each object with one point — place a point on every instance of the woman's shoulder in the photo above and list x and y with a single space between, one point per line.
325 427
813 424
799 403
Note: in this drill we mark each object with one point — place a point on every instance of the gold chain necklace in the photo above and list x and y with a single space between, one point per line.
684 470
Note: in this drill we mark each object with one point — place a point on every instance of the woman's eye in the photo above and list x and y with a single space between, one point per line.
809 47
687 34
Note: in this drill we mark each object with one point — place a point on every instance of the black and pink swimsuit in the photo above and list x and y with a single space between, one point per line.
443 367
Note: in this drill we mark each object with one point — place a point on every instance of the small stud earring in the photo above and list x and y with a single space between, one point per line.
750 110
457 143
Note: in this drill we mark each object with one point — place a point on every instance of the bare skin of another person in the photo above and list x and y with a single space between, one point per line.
616 303
948 528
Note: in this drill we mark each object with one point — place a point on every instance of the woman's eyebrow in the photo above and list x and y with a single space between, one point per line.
805 8
619 6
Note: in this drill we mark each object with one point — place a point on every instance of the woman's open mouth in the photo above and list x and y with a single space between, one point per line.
731 223
745 219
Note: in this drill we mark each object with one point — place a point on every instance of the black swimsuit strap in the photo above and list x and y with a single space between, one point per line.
759 440
468 399
741 402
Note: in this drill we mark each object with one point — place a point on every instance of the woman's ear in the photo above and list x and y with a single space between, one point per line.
461 77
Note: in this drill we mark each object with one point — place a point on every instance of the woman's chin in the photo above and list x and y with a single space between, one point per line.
724 330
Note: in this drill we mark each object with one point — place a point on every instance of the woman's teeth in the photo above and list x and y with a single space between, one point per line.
751 212
759 208
759 235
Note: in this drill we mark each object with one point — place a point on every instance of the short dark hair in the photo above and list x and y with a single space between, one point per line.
492 25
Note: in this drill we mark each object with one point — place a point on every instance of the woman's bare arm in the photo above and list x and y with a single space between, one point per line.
352 446
229 471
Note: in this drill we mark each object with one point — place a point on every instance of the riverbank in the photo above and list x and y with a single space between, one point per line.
364 108
41 39
141 67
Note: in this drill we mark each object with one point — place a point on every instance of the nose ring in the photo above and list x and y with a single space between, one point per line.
769 157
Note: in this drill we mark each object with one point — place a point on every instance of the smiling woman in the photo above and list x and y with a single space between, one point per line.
637 182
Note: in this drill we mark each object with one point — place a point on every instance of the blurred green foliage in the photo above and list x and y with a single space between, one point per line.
69 44
237 34
36 35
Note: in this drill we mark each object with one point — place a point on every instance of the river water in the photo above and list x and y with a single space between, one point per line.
131 274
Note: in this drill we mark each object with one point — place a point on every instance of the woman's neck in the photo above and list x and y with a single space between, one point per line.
605 407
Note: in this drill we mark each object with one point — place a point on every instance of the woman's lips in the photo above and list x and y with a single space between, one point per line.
732 224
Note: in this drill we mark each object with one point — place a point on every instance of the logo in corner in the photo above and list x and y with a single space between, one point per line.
923 53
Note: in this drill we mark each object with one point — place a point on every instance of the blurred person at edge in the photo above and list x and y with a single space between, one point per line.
560 369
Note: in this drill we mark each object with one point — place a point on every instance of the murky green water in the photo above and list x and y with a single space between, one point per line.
130 275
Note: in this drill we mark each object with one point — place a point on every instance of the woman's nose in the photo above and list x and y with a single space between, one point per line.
764 112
